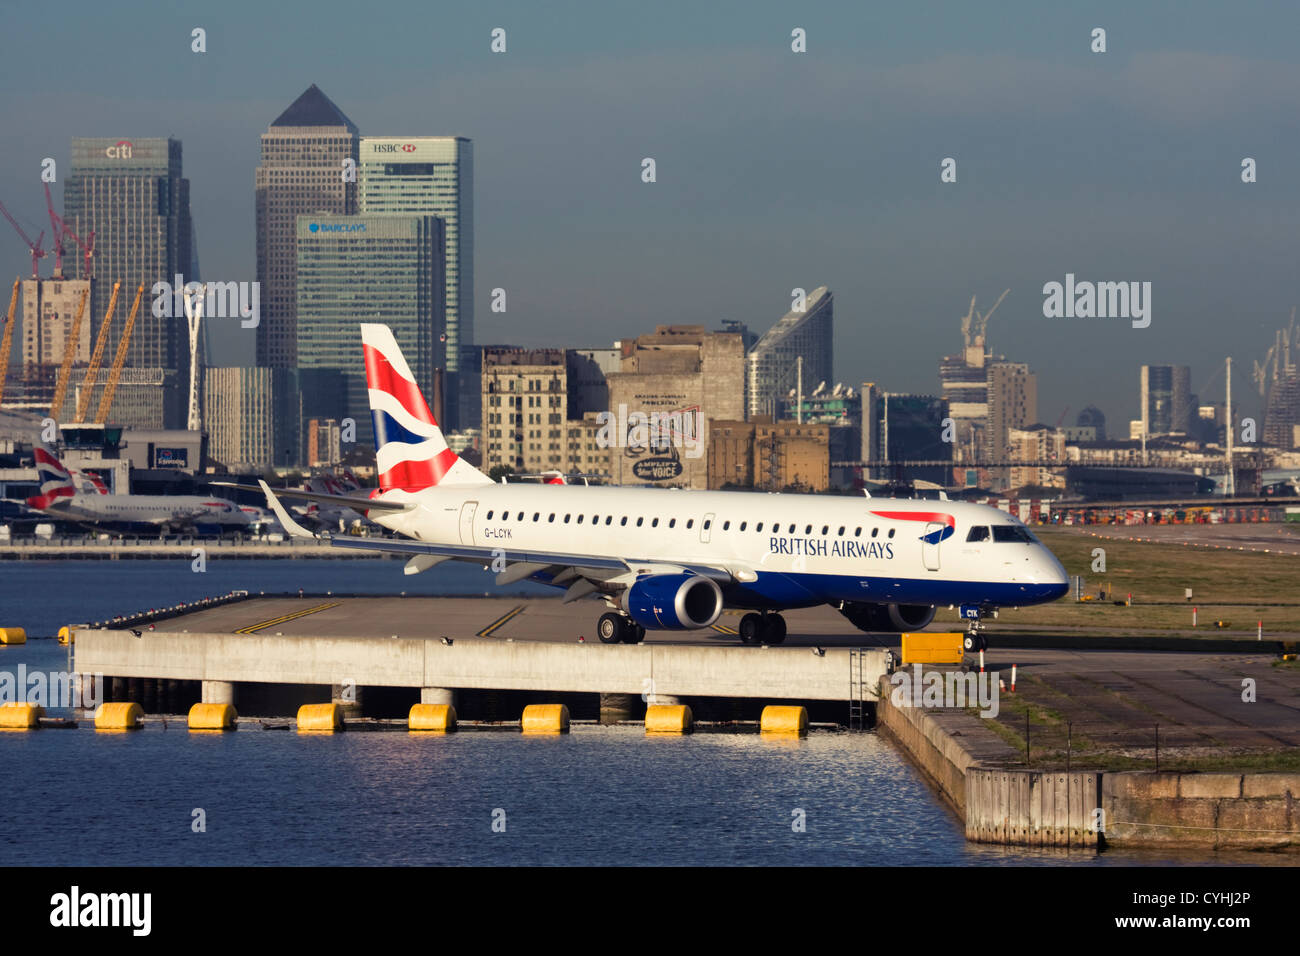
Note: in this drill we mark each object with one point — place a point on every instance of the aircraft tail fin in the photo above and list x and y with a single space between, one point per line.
410 450
56 480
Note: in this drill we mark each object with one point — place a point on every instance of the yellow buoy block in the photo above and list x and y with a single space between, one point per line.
784 720
545 719
20 716
668 719
66 636
212 717
326 718
122 715
12 635
436 718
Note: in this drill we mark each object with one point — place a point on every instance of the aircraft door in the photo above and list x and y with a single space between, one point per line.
930 545
706 526
467 522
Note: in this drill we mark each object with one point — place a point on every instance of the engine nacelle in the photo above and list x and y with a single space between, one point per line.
674 602
888 617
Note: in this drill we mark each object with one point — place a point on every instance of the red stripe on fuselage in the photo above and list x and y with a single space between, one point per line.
949 520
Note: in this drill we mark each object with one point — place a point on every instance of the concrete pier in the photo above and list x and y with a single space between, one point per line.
677 671
218 692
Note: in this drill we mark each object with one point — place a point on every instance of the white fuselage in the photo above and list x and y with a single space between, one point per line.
148 509
778 545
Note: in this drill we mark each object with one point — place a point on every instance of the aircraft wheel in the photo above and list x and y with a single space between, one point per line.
970 642
610 628
751 628
775 629
633 633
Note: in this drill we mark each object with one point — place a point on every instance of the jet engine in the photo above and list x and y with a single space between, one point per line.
674 601
887 617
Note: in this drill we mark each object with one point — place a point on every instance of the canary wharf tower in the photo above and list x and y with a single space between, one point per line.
303 172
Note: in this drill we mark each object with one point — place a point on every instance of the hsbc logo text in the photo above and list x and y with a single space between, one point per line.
392 148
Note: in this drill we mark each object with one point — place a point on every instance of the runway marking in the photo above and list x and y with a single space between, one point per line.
504 618
254 628
723 629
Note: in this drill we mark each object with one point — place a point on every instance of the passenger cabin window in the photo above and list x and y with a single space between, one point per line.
552 517
1011 533
623 523
566 519
841 531
857 532
706 524
742 525
791 531
726 526
536 515
826 528
654 522
489 516
672 522
808 530
690 523
978 533
639 521
579 519
759 526
608 518
891 532
874 532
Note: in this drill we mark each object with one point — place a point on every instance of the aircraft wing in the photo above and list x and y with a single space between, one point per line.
360 504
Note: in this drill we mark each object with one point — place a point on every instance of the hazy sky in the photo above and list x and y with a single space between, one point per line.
775 169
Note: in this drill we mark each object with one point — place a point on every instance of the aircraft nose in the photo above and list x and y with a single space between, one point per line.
1051 574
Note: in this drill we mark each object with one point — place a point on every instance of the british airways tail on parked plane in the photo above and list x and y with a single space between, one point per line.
55 480
676 560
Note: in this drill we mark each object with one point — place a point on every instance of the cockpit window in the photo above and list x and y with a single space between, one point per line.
978 533
1012 533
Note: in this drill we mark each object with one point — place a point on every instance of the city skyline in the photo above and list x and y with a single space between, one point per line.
1118 166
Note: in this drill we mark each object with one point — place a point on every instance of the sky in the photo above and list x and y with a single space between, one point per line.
775 170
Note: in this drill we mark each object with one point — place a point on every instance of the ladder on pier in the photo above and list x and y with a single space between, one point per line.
858 692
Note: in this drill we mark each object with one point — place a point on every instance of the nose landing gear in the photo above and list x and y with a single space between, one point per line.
975 639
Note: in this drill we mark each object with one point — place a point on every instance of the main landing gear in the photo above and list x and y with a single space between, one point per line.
762 628
619 629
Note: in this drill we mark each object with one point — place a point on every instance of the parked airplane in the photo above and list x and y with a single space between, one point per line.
61 497
676 559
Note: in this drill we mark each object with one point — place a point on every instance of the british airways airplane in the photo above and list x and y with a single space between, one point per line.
675 559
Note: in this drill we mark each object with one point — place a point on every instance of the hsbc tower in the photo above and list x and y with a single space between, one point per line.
434 175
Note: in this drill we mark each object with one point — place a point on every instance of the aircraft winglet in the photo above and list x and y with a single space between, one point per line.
294 528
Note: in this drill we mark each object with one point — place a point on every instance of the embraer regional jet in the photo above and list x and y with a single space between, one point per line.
675 559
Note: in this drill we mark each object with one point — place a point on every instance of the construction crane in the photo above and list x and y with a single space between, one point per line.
106 402
975 324
8 340
69 352
37 252
83 406
61 231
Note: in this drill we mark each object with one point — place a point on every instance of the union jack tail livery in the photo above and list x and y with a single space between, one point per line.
410 450
56 481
